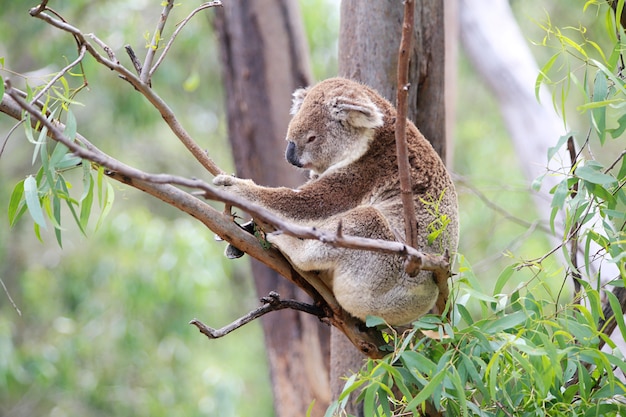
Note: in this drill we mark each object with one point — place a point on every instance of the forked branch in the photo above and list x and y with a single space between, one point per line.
270 303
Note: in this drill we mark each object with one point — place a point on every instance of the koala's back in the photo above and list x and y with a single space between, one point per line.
373 179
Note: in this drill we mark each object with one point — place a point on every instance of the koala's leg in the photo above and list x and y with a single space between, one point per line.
374 283
305 254
310 254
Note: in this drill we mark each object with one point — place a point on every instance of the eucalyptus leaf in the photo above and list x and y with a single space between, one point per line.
31 194
593 176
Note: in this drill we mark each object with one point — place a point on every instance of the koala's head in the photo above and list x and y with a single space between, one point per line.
333 124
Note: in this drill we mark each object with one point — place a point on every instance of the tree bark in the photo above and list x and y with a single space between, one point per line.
265 59
369 40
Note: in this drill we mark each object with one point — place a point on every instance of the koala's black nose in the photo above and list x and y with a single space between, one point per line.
290 154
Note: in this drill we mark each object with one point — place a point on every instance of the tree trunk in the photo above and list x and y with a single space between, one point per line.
369 40
265 59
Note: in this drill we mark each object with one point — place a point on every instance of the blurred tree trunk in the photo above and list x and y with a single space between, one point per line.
264 54
369 39
502 58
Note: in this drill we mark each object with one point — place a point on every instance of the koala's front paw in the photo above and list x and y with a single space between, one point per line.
234 185
225 180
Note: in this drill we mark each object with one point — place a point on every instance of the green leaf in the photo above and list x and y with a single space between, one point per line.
70 204
56 210
310 409
617 311
599 113
426 392
108 198
351 385
492 370
465 314
561 192
609 74
504 277
593 176
369 401
415 361
470 367
373 321
68 161
543 74
1 84
70 126
504 323
59 152
15 203
602 193
559 144
86 204
460 391
31 194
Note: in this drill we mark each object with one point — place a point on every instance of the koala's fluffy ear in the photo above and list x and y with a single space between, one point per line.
361 113
298 98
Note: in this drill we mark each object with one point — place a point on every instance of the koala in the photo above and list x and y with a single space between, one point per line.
343 133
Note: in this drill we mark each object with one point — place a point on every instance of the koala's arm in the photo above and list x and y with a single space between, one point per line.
309 202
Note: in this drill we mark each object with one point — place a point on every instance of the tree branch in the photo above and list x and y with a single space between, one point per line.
441 273
179 27
573 238
78 60
270 303
406 191
144 76
367 340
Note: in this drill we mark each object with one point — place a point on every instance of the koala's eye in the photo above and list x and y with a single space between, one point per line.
310 138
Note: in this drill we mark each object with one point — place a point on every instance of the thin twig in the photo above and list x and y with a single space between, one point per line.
154 43
133 58
619 158
460 180
57 77
179 27
270 303
106 48
6 291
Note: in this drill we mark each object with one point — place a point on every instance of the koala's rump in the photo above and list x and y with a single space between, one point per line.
364 282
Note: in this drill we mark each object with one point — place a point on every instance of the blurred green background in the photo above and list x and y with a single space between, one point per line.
103 326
